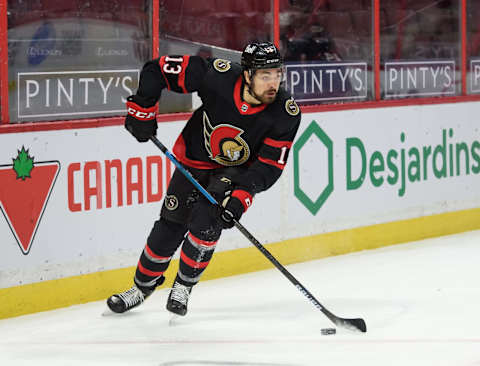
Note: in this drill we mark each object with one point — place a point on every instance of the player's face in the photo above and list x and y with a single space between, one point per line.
265 84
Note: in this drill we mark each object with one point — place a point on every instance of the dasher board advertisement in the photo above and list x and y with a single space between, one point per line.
81 201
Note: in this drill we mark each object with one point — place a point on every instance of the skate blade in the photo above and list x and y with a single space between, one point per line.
174 320
108 312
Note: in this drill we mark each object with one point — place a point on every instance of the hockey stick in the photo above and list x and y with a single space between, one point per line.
351 324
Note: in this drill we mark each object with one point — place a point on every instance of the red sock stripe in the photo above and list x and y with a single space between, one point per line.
152 254
190 262
147 271
200 241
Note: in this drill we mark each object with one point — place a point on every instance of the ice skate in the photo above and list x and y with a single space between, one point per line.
178 299
124 301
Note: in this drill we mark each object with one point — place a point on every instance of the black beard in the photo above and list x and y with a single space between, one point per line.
261 98
267 99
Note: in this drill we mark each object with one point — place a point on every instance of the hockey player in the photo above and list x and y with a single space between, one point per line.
236 145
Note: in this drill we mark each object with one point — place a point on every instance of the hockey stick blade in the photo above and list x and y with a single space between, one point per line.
356 325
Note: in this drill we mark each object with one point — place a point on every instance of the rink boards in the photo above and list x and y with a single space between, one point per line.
78 204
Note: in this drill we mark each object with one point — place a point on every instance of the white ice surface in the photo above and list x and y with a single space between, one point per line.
421 303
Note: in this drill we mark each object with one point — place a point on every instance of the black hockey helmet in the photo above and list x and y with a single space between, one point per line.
263 55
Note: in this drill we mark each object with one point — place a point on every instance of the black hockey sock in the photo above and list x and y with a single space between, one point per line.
150 268
194 258
164 239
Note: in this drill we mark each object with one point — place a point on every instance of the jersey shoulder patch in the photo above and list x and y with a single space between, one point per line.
222 65
291 107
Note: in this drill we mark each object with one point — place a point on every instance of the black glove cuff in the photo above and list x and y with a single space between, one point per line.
235 206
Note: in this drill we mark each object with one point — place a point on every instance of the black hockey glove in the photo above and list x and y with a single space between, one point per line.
234 206
141 119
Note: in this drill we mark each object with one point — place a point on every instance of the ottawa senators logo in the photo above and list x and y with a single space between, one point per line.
221 65
224 144
292 107
171 202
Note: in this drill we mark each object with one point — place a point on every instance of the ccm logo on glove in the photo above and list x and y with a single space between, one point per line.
142 114
141 121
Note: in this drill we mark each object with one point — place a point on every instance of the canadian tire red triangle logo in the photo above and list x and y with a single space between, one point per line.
25 187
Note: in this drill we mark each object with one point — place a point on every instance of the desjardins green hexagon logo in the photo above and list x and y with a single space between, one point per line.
313 152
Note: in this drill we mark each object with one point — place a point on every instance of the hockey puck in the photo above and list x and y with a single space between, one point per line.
328 331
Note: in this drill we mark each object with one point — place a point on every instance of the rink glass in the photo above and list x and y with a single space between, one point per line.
420 48
328 50
72 59
473 47
75 59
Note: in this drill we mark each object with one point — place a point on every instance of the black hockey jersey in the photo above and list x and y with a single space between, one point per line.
225 130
